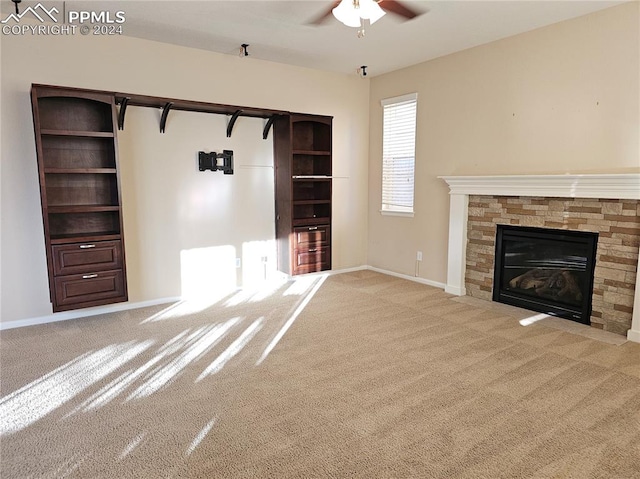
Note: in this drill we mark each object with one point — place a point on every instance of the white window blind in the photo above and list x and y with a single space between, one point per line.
398 153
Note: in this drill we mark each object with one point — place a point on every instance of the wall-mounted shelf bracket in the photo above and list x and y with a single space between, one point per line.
165 112
209 161
166 104
267 127
232 122
121 113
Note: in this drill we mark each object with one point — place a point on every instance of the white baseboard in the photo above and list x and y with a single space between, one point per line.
83 313
349 270
330 272
633 336
112 308
407 277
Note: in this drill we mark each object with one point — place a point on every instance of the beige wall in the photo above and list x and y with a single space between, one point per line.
176 219
561 99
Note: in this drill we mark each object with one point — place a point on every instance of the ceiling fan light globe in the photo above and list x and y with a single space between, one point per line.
371 11
347 14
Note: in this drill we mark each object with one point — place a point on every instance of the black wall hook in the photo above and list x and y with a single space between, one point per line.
16 2
243 50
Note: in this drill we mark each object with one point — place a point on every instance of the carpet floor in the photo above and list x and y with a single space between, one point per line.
353 375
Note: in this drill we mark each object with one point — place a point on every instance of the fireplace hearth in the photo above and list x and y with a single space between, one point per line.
545 270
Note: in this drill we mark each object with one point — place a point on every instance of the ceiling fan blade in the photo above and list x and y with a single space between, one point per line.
398 8
321 18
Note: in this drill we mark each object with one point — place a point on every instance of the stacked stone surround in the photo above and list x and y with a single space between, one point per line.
616 221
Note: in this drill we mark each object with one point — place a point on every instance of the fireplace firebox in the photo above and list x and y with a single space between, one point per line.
545 270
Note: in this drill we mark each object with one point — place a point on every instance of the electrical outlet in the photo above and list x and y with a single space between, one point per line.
238 263
419 256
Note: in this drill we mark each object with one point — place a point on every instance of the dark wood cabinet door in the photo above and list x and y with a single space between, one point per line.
82 257
89 289
308 260
312 236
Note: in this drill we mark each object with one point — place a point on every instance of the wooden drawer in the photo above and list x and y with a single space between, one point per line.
86 257
312 236
97 288
308 260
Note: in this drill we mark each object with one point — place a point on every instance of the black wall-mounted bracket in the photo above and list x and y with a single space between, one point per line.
232 122
166 104
165 113
122 112
267 127
209 161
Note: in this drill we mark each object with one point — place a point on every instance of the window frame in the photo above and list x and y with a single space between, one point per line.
385 209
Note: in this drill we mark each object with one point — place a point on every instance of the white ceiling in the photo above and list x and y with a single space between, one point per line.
279 31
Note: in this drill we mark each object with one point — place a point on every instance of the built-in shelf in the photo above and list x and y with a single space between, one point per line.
303 160
311 221
91 134
312 152
76 144
80 170
77 238
81 209
311 202
312 177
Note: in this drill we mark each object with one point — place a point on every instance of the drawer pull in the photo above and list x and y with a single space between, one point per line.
313 250
89 276
85 246
313 228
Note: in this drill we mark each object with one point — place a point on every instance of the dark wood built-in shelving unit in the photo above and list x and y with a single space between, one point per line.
77 151
303 162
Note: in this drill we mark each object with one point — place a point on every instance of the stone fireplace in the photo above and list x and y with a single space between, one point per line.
608 205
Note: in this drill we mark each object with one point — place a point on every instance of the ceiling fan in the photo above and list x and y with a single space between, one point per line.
354 13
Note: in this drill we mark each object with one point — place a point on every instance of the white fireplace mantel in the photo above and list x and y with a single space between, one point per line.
621 186
608 186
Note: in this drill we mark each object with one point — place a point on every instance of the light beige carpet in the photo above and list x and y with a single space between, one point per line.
362 375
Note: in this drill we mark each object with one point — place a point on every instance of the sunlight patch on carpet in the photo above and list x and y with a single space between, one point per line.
198 344
255 295
135 442
300 286
233 349
186 307
201 435
121 383
37 399
303 304
533 319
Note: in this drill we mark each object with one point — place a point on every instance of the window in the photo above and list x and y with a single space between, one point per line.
398 154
